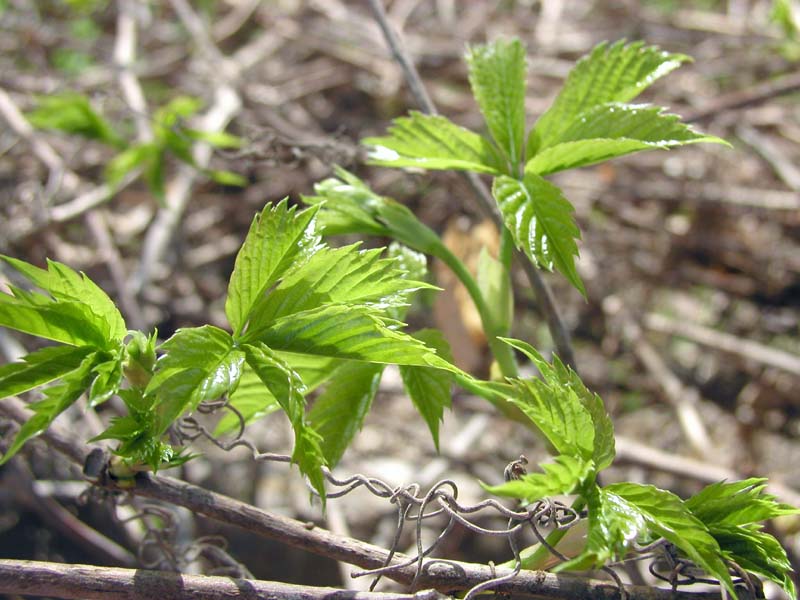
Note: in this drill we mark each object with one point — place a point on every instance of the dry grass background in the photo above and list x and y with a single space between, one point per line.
691 258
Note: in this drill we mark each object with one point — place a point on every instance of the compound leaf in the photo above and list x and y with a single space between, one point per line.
623 513
540 221
497 77
434 142
251 399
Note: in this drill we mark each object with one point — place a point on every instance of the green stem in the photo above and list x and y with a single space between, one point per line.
533 557
502 352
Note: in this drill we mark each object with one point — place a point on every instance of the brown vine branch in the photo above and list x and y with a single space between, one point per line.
88 582
544 296
442 575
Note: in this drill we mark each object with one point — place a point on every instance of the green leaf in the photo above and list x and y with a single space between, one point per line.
561 403
251 399
227 178
348 205
622 513
434 142
279 238
732 512
218 139
737 503
198 364
71 113
346 331
56 400
564 476
134 157
64 284
40 367
494 283
610 130
541 223
65 322
611 73
497 77
108 378
338 413
430 389
288 389
337 276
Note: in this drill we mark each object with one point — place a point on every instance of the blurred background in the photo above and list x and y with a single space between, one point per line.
691 258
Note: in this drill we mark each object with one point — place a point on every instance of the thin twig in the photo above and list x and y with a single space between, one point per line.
544 297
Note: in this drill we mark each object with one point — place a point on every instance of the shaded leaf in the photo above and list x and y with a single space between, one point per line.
40 367
252 400
72 113
289 391
430 389
494 283
434 142
540 221
57 399
338 413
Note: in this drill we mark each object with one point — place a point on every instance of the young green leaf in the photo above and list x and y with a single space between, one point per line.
279 238
434 142
337 276
65 285
288 389
733 512
564 476
57 399
610 130
338 413
497 77
108 378
345 331
71 113
133 157
541 223
611 73
198 364
562 379
622 513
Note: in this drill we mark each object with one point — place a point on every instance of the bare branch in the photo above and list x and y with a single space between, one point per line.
104 583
